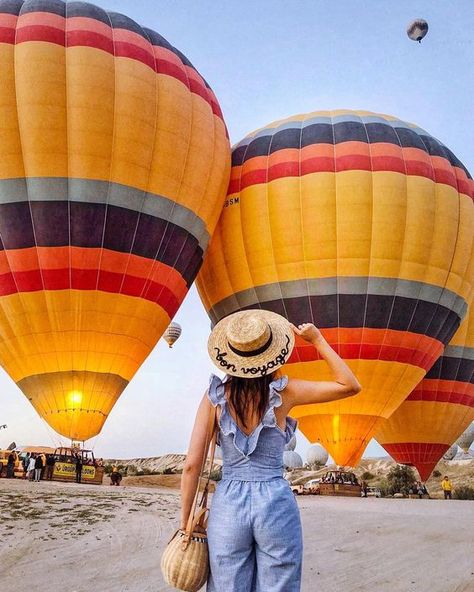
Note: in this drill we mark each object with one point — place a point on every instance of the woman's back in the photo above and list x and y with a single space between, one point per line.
258 455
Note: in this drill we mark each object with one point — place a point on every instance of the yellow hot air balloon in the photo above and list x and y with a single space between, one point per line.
438 410
362 224
114 160
172 334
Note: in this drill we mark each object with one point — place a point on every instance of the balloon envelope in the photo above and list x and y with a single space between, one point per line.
438 410
467 438
172 333
316 454
114 160
417 30
292 460
362 224
451 452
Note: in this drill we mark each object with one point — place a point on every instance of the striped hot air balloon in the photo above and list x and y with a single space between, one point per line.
172 334
114 160
362 224
438 410
466 439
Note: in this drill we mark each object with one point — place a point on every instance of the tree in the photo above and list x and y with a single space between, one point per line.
400 479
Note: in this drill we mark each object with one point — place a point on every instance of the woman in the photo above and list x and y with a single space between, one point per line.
254 528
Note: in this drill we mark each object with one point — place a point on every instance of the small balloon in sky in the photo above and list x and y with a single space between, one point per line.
172 333
417 30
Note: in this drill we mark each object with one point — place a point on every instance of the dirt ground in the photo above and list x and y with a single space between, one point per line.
81 538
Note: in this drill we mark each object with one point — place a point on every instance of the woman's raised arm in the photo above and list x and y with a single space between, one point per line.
345 384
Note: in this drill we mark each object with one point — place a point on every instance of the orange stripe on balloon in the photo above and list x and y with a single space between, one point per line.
48 19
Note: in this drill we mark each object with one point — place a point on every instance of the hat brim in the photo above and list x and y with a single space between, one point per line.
267 362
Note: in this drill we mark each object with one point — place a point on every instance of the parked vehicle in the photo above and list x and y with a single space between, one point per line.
372 492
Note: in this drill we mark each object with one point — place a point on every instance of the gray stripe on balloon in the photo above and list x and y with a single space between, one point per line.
102 192
345 118
458 351
377 286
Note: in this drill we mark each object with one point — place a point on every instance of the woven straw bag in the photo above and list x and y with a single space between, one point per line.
185 561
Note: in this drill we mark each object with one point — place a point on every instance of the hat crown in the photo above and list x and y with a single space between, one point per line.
248 332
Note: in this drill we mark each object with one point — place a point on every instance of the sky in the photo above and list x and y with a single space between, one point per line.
267 60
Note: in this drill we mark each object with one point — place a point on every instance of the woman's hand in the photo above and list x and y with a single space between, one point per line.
308 332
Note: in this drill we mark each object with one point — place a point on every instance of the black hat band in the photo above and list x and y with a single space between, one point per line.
254 352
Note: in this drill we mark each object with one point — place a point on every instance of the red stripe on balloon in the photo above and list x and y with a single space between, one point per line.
89 279
342 164
389 353
7 35
459 393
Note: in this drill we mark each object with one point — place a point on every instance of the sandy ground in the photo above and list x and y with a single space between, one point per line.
56 537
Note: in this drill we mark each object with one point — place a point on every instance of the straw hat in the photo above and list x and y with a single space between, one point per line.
251 343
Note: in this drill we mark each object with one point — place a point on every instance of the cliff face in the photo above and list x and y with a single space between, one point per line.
156 464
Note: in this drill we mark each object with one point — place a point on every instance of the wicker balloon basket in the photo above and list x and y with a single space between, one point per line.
185 564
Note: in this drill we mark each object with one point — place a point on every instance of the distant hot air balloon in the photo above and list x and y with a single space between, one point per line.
438 410
417 30
114 160
466 439
362 224
316 454
291 444
450 454
172 333
292 460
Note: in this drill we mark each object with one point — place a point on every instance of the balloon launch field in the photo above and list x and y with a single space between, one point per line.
85 538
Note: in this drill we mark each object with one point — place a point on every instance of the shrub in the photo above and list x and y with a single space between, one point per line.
367 476
140 473
400 479
131 470
464 492
167 471
384 487
436 473
146 471
107 469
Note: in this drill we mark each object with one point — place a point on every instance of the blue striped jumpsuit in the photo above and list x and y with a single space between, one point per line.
254 531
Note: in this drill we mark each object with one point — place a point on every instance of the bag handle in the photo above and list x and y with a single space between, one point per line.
198 517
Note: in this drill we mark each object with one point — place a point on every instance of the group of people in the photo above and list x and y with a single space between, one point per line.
341 478
38 466
419 489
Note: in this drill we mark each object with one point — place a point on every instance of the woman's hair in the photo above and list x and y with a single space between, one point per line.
249 394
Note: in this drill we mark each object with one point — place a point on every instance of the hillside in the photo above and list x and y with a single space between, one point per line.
460 471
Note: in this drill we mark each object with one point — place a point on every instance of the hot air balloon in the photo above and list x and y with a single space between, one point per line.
438 410
172 333
114 159
466 439
417 30
358 222
450 454
291 444
292 460
316 455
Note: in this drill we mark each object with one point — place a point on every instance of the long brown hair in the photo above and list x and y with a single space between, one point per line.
249 395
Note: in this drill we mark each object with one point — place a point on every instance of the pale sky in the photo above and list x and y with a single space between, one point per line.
266 60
